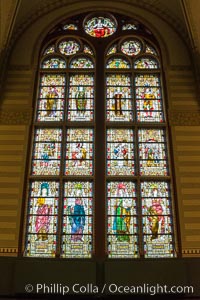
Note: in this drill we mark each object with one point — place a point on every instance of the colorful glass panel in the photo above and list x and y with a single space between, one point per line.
81 97
47 151
100 27
120 152
51 98
122 220
53 63
112 50
79 152
131 47
129 27
157 219
42 219
81 63
152 151
146 63
77 219
150 50
117 63
70 27
87 50
49 50
69 47
118 94
148 98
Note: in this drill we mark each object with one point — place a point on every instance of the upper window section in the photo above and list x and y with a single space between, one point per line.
99 26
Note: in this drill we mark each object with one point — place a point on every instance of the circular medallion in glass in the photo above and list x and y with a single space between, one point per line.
69 47
131 47
100 27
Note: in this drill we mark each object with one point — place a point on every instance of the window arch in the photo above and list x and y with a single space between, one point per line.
100 173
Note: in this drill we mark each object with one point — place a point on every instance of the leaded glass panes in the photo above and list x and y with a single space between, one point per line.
129 27
122 220
87 50
53 63
47 151
148 98
117 63
120 152
51 97
157 219
146 63
100 27
81 97
150 50
69 47
152 152
70 27
112 50
77 219
49 50
42 219
79 152
119 97
81 62
131 47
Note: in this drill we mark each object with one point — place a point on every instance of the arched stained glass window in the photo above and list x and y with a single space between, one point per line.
100 179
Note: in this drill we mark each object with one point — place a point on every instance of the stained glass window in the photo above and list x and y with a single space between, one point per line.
53 63
51 97
42 219
79 152
69 47
77 219
100 136
146 63
81 62
157 219
120 152
100 27
122 220
70 27
81 97
148 98
131 47
152 152
117 63
118 94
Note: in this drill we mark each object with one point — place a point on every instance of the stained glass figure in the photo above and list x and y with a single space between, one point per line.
79 152
70 27
122 220
47 151
77 219
146 63
129 27
131 47
120 152
150 50
49 50
42 219
148 98
87 50
152 151
157 219
53 63
81 97
118 94
112 50
100 27
117 63
51 97
69 47
81 63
